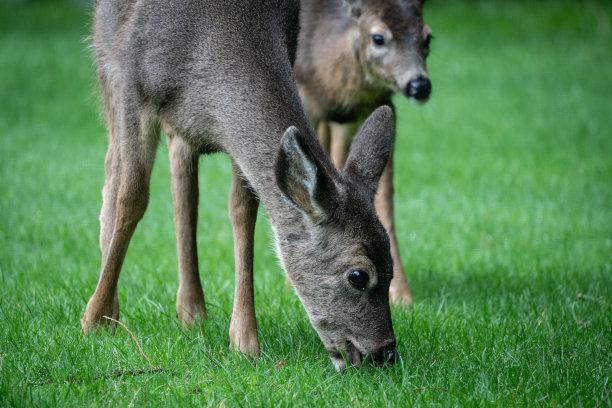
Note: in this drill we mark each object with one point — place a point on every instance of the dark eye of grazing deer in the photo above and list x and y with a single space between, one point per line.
358 278
378 40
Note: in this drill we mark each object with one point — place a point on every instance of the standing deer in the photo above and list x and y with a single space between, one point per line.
213 81
352 56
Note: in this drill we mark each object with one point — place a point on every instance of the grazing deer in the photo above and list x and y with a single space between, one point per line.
216 76
352 56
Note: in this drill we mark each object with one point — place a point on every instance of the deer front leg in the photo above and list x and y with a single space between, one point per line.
243 215
323 133
399 291
184 169
341 136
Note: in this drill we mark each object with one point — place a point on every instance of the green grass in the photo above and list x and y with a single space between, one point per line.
504 213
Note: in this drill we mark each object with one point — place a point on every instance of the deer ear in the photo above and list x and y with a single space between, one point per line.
371 149
354 8
305 179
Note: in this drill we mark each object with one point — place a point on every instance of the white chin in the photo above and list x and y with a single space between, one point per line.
339 364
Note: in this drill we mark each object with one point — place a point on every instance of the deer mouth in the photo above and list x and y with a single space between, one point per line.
351 357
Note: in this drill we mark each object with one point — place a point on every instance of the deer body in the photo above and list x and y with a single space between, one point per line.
352 56
215 82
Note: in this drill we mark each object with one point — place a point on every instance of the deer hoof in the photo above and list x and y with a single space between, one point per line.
91 323
401 298
94 317
245 342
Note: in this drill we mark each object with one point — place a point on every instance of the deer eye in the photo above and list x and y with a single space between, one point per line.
378 40
358 278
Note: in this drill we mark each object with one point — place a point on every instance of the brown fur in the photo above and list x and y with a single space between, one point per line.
342 77
216 76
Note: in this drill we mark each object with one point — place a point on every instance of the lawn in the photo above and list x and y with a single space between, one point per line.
504 218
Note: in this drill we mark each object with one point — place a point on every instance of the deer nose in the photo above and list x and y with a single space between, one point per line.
386 355
419 89
391 356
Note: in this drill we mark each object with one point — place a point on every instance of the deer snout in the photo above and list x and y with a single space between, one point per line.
419 89
353 357
386 355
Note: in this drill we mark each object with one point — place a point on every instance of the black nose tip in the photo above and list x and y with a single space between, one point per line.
419 88
386 355
391 356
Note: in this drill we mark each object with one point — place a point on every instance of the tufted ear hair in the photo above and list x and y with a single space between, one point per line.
371 149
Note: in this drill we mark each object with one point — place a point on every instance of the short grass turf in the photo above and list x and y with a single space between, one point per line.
504 216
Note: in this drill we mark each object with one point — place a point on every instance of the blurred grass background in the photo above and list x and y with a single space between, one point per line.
504 215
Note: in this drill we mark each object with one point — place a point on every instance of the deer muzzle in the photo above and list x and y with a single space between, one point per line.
353 357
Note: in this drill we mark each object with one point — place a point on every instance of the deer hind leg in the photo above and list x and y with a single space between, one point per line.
109 206
111 167
184 169
243 206
130 157
399 291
